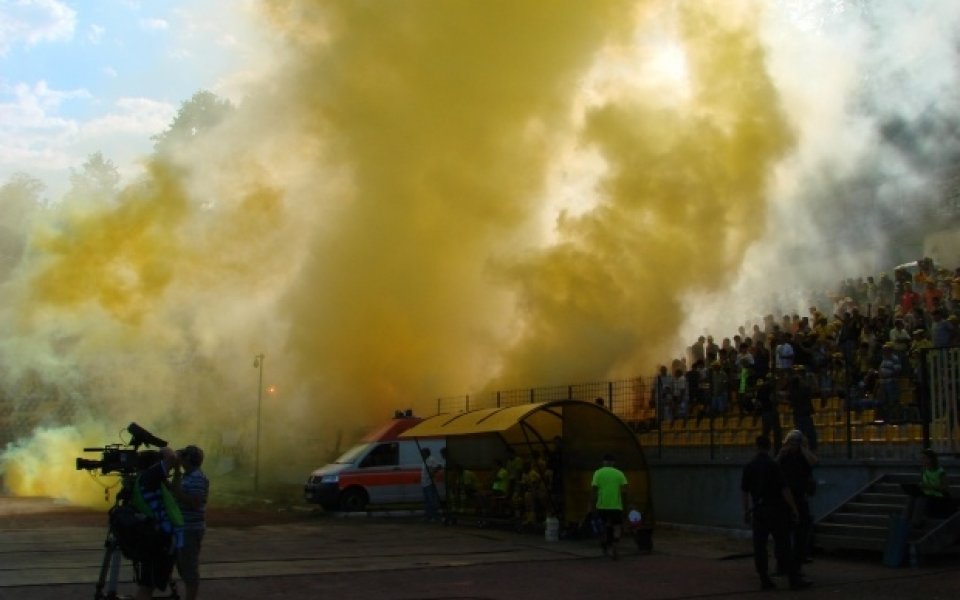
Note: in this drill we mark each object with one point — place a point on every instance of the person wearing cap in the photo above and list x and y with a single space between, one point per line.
921 342
899 336
191 488
746 379
608 496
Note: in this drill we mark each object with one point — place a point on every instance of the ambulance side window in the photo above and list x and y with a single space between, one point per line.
384 455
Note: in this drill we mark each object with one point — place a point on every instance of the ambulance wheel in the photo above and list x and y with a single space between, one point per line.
353 500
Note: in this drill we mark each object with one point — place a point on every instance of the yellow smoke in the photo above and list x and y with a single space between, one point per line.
445 115
44 465
683 197
371 219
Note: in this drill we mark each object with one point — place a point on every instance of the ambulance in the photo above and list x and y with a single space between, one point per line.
381 470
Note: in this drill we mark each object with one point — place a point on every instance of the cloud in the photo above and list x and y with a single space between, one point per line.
179 54
141 116
36 136
32 132
34 106
95 33
155 24
31 22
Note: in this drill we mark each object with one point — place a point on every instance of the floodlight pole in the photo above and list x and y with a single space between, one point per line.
258 364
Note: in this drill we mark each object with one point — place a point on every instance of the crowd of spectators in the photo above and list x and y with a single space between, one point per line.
865 348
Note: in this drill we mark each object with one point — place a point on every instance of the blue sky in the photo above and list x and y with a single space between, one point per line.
82 76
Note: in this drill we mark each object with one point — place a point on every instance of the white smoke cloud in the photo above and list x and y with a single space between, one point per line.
871 89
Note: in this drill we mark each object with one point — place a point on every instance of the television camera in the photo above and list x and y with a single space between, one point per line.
128 531
125 459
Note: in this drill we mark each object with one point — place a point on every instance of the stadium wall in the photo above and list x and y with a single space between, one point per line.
708 495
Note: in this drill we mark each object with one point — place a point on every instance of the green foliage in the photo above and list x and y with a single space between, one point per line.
97 179
20 202
204 111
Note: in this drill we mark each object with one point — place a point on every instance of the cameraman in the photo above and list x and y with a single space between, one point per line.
152 497
190 488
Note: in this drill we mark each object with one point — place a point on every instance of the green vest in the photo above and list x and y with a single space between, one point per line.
169 504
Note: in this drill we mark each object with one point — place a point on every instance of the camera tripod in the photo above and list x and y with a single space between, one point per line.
106 588
110 571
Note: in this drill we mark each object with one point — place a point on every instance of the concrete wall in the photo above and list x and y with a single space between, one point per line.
709 494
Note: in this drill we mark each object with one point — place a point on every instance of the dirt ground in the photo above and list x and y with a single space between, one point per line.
264 550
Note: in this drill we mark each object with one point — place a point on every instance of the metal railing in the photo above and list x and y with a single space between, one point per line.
929 417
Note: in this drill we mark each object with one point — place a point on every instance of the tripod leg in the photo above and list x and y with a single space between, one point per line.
109 570
104 567
114 572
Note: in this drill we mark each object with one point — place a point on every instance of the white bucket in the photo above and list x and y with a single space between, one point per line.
551 532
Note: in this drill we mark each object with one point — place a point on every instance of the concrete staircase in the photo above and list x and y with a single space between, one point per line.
862 522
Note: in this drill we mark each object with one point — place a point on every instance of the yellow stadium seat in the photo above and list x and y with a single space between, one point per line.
915 432
828 434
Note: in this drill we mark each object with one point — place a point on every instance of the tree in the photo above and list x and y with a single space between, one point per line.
196 116
20 202
97 179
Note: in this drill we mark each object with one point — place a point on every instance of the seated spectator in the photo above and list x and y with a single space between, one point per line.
933 496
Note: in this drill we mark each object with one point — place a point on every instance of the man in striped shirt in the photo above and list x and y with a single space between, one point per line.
190 488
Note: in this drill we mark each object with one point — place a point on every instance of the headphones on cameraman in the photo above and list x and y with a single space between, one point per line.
191 455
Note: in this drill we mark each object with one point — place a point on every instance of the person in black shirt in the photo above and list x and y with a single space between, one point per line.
799 394
769 417
797 462
768 508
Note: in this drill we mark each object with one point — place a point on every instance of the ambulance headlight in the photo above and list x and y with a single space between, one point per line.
330 479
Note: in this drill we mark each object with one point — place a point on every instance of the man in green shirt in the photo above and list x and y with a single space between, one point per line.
609 493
